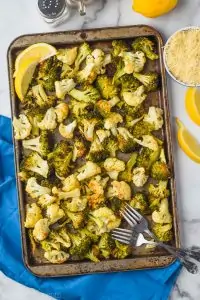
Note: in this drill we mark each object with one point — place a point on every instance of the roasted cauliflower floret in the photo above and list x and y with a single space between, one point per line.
134 98
79 150
61 195
139 177
46 200
56 257
41 97
77 204
67 131
22 127
154 117
113 166
54 213
39 144
41 230
119 189
49 122
90 169
104 220
34 189
70 183
148 141
62 111
63 87
67 56
163 231
33 215
87 128
112 121
162 216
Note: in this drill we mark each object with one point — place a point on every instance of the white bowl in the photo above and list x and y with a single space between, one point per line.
165 62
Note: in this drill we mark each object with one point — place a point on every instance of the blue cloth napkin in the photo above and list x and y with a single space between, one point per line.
136 285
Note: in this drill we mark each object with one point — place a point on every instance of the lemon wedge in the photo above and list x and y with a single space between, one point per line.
26 63
188 142
192 104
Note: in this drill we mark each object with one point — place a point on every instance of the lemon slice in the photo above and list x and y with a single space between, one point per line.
23 79
26 63
35 53
192 104
188 142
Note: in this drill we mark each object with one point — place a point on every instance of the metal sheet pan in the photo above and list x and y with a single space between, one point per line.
142 258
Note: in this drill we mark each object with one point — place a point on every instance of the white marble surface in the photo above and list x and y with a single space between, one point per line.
20 17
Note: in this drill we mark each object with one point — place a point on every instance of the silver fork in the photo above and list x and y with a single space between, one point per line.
140 225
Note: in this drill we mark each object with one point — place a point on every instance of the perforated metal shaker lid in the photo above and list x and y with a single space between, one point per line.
51 9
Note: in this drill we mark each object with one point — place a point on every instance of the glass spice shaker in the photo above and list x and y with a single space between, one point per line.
54 12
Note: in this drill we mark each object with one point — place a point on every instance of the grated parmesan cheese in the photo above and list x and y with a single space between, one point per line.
183 56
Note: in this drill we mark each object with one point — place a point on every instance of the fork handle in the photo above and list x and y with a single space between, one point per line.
181 254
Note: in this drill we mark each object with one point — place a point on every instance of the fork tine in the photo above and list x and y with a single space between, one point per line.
129 220
121 240
131 214
122 234
122 230
135 211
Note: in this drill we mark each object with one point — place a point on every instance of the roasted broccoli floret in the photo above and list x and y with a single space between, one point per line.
63 87
54 213
62 111
160 171
83 51
78 108
35 116
158 191
111 145
86 233
80 244
134 98
103 220
147 157
163 232
112 121
41 98
106 245
121 251
97 151
113 166
162 215
22 127
139 177
56 257
93 254
36 164
67 131
60 159
49 121
41 230
79 150
39 144
67 56
88 170
127 81
154 117
127 174
33 215
145 45
126 141
104 107
119 47
119 189
140 202
141 128
34 189
49 71
88 95
106 88
149 80
49 245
